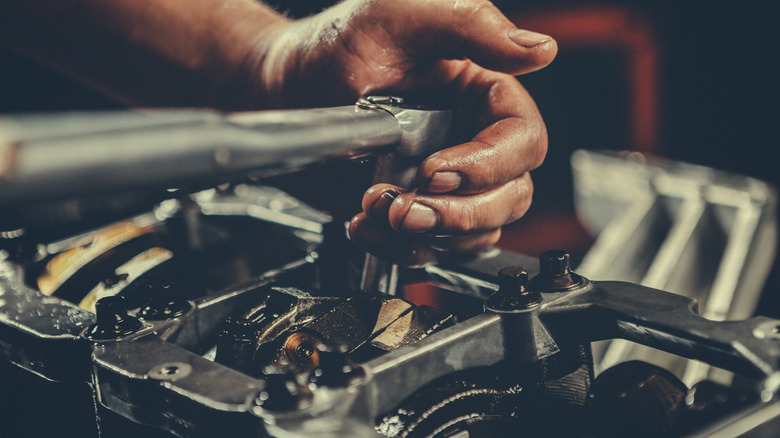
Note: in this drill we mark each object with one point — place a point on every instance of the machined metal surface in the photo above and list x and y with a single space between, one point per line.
701 233
599 310
158 376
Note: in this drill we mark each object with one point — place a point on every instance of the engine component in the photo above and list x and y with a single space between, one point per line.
221 312
287 328
704 234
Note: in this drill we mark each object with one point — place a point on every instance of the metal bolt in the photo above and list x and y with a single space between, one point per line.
526 340
555 273
555 262
512 280
513 293
304 350
112 320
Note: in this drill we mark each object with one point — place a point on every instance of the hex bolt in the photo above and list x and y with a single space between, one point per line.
385 100
513 280
112 320
164 303
526 340
555 274
556 263
513 293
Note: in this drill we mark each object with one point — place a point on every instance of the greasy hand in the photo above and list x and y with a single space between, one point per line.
462 53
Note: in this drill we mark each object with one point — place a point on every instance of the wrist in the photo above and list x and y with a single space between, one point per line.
299 64
246 37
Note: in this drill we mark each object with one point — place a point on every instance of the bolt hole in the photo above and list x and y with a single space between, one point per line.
169 370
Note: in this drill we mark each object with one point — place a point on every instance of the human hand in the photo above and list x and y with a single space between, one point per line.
463 54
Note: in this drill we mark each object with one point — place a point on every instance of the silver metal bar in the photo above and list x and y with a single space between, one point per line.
475 342
56 156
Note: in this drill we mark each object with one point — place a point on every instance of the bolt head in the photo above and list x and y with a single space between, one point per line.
555 274
512 280
555 263
513 294
112 319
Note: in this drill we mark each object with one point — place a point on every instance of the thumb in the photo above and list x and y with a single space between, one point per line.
477 30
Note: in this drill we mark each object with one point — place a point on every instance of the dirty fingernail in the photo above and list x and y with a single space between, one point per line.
382 204
526 38
443 182
419 218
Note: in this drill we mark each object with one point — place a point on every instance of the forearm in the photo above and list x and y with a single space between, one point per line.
151 53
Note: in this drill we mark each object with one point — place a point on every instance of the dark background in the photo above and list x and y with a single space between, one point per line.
718 86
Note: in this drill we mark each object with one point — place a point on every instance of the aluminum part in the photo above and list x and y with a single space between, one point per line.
701 233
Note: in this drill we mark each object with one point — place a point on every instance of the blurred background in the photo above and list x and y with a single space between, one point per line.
689 81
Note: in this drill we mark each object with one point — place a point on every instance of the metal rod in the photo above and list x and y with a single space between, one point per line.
60 156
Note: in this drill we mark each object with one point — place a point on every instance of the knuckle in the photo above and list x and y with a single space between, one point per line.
464 10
